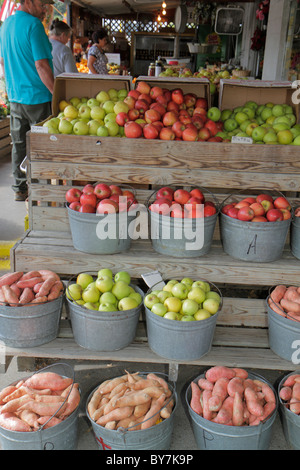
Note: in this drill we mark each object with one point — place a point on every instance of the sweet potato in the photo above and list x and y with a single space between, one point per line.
46 422
224 415
242 373
108 385
28 282
220 388
42 380
268 393
17 393
12 423
26 296
13 405
122 386
37 287
2 297
131 399
238 410
215 402
276 307
115 415
285 393
46 286
167 409
73 401
28 417
206 395
10 296
195 403
153 414
235 385
205 384
111 425
296 391
216 372
30 275
45 273
44 409
278 293
290 380
94 402
10 278
16 290
290 306
142 409
292 295
39 300
55 290
252 402
6 392
140 384
295 406
162 382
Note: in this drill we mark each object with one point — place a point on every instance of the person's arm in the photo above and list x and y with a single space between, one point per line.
91 61
45 73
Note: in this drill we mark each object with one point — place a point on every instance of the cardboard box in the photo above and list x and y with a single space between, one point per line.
199 86
235 93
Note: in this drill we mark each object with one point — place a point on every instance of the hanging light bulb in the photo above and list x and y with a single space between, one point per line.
164 12
158 17
164 5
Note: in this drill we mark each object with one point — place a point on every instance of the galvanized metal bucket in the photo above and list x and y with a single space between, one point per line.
213 436
104 331
182 237
63 436
284 335
253 241
295 236
180 340
290 421
32 325
157 437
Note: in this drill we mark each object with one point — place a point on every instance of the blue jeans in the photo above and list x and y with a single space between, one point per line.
22 117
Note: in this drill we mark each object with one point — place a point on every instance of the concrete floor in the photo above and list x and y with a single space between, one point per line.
90 374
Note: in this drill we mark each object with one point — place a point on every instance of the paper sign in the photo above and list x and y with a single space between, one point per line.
39 129
153 278
236 139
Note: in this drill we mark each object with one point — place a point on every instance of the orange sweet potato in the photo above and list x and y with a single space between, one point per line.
10 278
290 380
44 421
206 395
55 290
6 392
12 423
131 399
195 403
10 296
216 372
220 388
45 273
153 414
235 385
252 402
28 282
115 415
26 296
205 384
290 306
43 380
285 393
242 373
238 417
30 275
28 417
224 415
46 286
278 293
142 409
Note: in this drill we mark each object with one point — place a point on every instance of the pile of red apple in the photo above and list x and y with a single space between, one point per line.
158 113
262 208
100 198
182 203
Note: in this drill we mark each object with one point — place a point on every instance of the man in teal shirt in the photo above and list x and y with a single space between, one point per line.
26 60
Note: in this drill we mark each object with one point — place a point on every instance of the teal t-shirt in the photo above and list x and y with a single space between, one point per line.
23 40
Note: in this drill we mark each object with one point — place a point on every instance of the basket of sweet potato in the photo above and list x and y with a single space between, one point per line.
289 408
283 306
30 307
40 411
133 411
231 409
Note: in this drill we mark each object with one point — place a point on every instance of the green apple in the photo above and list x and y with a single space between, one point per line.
202 314
249 111
150 300
187 318
102 131
110 117
121 95
278 110
163 295
108 298
211 305
241 117
251 104
122 276
250 127
296 140
159 309
230 124
292 118
84 279
284 119
225 114
266 112
93 126
121 289
81 128
108 106
171 316
102 96
54 122
92 102
198 294
189 307
70 111
91 294
107 307
295 131
258 133
74 291
113 128
259 109
214 113
137 296
97 113
79 302
203 284
180 290
173 304
84 99
91 305
168 287
270 137
105 272
187 281
213 295
104 283
113 94
244 124
74 100
127 303
84 111
280 126
65 127
121 107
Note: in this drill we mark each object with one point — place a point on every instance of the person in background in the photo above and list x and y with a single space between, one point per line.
26 63
63 60
97 60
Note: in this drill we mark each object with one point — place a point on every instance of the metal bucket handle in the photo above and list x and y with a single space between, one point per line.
252 189
172 187
123 431
280 308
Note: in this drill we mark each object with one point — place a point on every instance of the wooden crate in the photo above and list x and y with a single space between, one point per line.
5 139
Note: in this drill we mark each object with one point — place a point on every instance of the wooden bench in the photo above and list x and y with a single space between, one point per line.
58 162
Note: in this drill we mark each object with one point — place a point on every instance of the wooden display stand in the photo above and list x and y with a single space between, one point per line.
241 337
5 139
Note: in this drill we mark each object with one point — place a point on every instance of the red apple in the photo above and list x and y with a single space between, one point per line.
90 199
193 202
177 211
181 196
167 133
257 208
114 189
169 118
216 138
161 206
178 127
133 114
189 99
250 199
274 215
259 218
195 212
141 105
130 101
264 197
73 195
162 100
167 94
286 214
102 191
158 107
204 133
121 118
158 124
155 92
226 208
88 189
198 121
87 208
172 106
267 205
196 192
282 203
200 112
185 119
241 204
152 115
143 87
165 192
145 97
211 125
245 213
209 210
132 130
75 206
232 212
201 103
177 96
150 131
134 93
107 206
190 134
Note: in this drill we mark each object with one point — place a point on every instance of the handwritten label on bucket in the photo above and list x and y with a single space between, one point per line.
252 245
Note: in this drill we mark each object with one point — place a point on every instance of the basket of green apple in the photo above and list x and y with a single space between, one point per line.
182 220
101 217
104 309
181 318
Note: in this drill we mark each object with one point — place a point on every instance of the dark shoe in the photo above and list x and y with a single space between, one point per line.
21 196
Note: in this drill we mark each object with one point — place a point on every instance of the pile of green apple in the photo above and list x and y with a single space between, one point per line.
90 116
105 293
266 124
184 300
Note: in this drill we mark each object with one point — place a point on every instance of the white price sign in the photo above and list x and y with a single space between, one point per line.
236 139
153 278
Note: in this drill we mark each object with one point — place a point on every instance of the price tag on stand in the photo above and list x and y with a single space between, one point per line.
236 139
153 278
